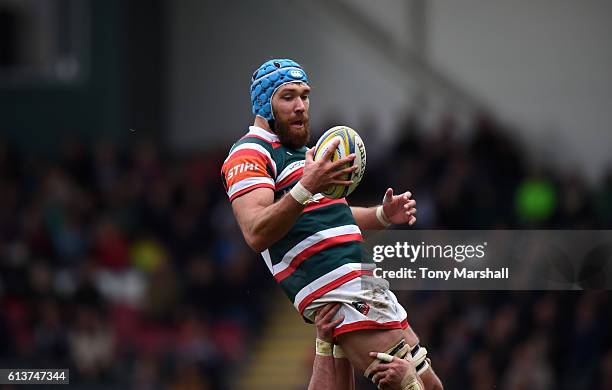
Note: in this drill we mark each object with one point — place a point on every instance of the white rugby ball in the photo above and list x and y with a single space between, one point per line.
350 142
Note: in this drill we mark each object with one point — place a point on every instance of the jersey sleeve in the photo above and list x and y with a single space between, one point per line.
246 168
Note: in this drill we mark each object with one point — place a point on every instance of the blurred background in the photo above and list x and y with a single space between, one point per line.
119 254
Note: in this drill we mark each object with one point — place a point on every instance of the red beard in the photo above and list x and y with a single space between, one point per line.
291 137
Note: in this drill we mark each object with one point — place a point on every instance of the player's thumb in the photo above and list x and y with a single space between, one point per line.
388 198
310 154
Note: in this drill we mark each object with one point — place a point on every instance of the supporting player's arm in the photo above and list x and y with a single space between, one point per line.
323 374
263 221
329 371
345 376
395 209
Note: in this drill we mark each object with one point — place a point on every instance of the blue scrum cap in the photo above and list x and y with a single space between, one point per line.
268 78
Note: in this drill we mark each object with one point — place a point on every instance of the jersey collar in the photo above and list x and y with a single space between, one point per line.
258 131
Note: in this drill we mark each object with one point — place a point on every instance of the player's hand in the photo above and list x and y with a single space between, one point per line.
325 322
391 375
319 175
399 208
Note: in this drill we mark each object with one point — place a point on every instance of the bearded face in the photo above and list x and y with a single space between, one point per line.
292 133
291 122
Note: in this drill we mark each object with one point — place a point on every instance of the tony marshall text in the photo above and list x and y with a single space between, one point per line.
455 273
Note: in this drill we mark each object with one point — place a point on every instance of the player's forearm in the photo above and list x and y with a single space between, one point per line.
366 218
271 223
345 379
322 373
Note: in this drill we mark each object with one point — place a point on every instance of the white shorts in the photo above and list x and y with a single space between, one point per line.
367 303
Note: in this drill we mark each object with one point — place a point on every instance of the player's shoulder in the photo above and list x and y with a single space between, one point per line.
256 147
258 137
259 142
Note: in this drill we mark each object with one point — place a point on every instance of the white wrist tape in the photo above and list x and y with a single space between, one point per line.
323 348
300 194
382 218
338 352
413 385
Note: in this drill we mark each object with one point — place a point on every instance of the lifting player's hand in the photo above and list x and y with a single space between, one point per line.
325 322
394 374
322 173
399 208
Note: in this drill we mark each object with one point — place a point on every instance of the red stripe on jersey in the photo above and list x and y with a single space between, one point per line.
249 189
362 325
323 202
330 286
293 176
311 250
275 144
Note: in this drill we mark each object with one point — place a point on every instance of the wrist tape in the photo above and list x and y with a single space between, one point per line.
323 348
382 218
300 193
413 383
338 352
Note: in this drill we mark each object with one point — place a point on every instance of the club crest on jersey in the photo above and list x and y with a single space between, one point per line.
361 307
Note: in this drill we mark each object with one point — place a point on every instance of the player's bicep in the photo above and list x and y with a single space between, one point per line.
249 185
247 206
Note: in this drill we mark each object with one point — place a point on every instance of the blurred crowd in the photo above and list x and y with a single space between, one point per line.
515 340
486 180
124 263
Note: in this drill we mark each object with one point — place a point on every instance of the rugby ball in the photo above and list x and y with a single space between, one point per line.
350 142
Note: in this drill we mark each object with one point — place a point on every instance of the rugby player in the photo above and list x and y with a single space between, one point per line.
311 244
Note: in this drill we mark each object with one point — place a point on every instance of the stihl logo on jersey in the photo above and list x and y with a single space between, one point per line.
361 307
240 168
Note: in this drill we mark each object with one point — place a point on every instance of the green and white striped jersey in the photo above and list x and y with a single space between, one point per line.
323 249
